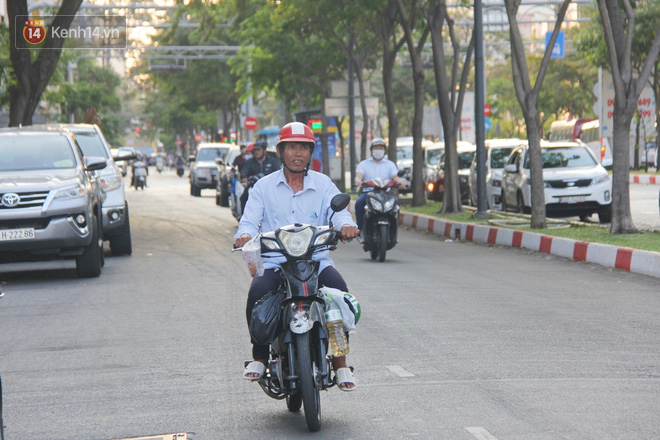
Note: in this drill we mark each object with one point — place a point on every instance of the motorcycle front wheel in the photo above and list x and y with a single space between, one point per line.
308 389
382 242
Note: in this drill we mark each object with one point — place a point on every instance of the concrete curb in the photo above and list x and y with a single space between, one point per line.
649 179
632 260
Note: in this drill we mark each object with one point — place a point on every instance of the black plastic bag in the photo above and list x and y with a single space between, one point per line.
265 320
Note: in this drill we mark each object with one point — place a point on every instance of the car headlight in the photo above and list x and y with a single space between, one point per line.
296 243
600 179
109 183
72 192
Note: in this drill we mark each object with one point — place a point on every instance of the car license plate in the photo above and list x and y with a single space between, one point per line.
574 199
17 234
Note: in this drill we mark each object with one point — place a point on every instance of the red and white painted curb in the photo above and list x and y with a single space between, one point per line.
648 179
633 260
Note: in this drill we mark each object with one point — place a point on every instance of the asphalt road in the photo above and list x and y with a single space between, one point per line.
457 341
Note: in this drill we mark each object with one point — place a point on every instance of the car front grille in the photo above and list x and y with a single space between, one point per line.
581 183
27 200
38 223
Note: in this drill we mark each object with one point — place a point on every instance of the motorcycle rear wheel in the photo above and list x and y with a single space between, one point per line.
309 391
382 242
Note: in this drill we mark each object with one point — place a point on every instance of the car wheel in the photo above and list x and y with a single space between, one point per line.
520 204
605 214
88 265
224 194
121 244
195 190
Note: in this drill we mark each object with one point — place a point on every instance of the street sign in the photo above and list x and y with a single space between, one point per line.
559 47
250 123
198 137
487 123
487 110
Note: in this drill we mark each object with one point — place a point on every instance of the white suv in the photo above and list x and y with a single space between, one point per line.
575 183
497 153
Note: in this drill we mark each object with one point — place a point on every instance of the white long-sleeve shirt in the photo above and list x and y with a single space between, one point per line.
272 204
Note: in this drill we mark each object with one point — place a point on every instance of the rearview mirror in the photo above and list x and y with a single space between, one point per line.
511 168
339 202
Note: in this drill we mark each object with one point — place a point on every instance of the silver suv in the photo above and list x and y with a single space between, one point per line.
203 169
50 199
116 223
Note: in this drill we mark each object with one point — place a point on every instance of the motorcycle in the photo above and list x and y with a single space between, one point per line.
180 169
139 175
299 366
381 218
238 189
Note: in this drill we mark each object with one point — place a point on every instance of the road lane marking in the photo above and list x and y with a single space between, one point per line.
178 436
399 371
480 433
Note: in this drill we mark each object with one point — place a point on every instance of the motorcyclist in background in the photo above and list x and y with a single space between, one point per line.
376 166
255 168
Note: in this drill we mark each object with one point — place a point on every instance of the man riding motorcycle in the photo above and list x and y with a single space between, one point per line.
293 194
256 167
376 166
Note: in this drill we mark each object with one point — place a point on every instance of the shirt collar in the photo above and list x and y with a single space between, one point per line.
308 182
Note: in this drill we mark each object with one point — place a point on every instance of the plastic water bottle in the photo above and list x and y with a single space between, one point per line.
335 326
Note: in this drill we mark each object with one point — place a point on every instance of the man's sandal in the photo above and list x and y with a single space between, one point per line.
345 376
254 367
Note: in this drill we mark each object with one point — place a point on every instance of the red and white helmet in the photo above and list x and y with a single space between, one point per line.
249 148
296 132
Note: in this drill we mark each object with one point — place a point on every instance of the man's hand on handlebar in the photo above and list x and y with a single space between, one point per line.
240 241
349 232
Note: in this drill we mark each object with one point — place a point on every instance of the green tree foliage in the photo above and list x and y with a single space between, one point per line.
5 65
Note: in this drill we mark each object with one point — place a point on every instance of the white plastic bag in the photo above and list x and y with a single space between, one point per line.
252 256
337 296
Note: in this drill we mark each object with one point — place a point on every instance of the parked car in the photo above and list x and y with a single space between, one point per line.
116 222
497 153
432 160
203 169
435 188
575 183
404 160
225 174
648 155
50 199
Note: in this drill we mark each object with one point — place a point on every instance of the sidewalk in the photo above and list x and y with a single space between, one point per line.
633 260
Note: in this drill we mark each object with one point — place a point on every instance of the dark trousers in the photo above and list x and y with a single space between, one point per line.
359 209
269 281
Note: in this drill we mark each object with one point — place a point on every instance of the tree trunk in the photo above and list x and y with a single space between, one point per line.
618 27
408 21
33 77
528 99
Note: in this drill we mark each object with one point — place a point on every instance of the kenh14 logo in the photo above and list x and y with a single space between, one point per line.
34 31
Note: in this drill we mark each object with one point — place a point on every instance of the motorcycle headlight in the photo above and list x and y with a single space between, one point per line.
296 243
389 204
110 182
73 192
375 205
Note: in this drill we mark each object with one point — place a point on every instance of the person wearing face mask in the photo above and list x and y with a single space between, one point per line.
376 166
